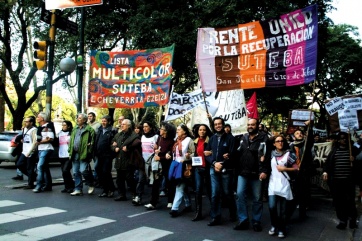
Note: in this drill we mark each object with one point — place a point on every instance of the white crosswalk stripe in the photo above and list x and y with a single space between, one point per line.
53 230
142 233
26 214
50 231
8 203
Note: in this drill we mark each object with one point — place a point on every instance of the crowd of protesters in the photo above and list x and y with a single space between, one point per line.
177 162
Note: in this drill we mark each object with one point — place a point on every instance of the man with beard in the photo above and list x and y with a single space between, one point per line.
219 153
251 169
302 146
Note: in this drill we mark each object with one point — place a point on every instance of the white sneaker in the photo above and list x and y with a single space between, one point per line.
149 206
169 205
281 235
90 190
76 193
272 231
136 201
162 194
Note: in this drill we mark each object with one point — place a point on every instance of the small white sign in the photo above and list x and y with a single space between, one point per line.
334 105
302 115
353 103
348 120
197 161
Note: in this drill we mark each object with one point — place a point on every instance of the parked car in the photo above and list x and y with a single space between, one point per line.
7 146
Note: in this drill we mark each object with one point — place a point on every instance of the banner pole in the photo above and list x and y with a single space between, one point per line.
203 95
350 147
207 111
308 128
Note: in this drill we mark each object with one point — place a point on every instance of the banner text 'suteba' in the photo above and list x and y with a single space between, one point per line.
271 53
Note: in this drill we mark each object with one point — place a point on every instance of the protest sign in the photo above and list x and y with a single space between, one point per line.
130 79
347 116
299 117
180 104
269 53
231 107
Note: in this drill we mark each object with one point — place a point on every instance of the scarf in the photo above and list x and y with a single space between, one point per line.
149 134
278 154
297 146
178 144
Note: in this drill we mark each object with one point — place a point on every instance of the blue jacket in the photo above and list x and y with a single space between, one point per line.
226 145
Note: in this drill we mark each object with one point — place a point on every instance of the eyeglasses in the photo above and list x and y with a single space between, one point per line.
279 141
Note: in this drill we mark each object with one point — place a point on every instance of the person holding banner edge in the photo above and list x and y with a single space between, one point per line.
302 147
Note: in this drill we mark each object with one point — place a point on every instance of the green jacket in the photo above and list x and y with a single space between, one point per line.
86 143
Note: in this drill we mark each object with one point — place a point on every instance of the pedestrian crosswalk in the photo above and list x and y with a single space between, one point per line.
55 230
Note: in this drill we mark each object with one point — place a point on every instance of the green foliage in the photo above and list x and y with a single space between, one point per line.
141 24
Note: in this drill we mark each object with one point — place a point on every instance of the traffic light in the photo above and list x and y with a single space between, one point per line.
41 54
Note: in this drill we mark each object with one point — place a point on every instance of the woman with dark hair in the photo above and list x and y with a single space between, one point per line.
148 140
138 130
279 190
66 164
163 146
202 175
182 151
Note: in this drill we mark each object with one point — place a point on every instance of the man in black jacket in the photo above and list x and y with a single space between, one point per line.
219 153
105 155
251 169
338 171
302 147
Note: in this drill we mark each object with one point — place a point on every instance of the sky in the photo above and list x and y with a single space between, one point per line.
347 12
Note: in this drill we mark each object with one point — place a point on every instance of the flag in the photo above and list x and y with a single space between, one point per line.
252 107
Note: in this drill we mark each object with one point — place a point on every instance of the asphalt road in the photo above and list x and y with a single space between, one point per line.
25 215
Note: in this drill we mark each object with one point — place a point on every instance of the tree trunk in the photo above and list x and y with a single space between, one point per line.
2 102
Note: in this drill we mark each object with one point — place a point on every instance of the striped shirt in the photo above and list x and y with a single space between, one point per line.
342 164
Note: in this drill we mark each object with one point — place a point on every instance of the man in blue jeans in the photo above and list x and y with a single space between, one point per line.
45 137
251 169
219 153
80 152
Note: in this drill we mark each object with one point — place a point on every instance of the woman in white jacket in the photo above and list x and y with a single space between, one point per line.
283 163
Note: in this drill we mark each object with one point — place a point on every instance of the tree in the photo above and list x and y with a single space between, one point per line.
16 18
141 24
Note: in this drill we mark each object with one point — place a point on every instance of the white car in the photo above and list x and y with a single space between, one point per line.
7 146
